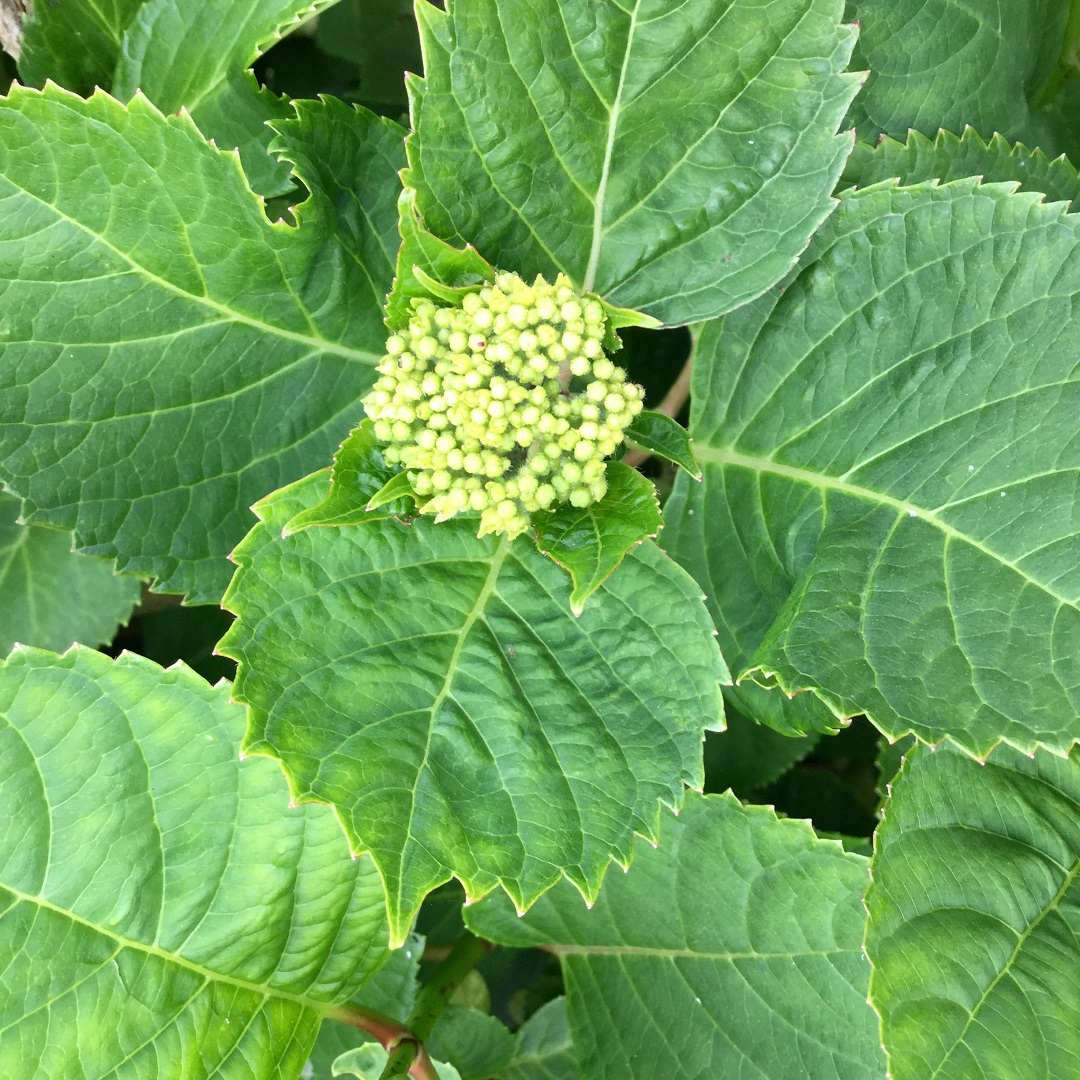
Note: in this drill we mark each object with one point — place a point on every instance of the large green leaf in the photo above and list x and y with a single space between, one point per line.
76 44
163 912
894 438
733 950
674 158
197 56
51 597
436 689
942 64
948 157
168 355
974 929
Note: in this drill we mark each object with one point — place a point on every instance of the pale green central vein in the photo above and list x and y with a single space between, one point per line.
687 954
9 556
609 150
824 482
322 1008
230 314
1054 904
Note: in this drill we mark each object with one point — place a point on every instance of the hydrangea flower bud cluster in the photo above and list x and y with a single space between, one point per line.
506 405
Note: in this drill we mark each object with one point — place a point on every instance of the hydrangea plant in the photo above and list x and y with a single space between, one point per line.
348 353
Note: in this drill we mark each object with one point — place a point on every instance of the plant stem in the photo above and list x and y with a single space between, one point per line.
408 1054
674 399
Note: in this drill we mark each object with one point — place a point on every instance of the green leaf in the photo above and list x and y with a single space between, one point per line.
477 1045
162 910
674 159
590 543
368 1061
516 744
391 991
659 434
939 64
360 472
169 355
873 467
50 597
947 157
545 1049
715 955
747 755
974 917
890 757
74 44
423 261
196 56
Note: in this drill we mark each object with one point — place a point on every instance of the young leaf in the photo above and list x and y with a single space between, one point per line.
368 1061
437 691
973 917
590 543
934 64
159 901
359 474
674 160
545 1049
659 434
50 597
423 261
739 924
883 472
947 157
197 55
74 44
182 356
748 755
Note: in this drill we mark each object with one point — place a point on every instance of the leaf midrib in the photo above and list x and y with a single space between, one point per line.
322 1008
230 314
825 482
688 954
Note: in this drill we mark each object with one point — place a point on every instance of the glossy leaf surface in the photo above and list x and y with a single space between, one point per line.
659 434
674 159
974 930
51 597
436 689
739 924
162 910
878 523
590 542
169 355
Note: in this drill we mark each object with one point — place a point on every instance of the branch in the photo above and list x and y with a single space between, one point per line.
673 402
408 1054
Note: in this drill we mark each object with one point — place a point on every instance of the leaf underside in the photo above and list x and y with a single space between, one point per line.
887 515
436 689
975 917
714 955
169 355
679 157
162 911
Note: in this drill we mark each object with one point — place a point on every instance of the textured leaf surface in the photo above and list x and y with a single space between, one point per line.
948 157
714 955
74 44
196 56
545 1047
479 1046
883 469
659 434
974 930
674 158
590 543
168 355
942 64
435 688
162 911
50 597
